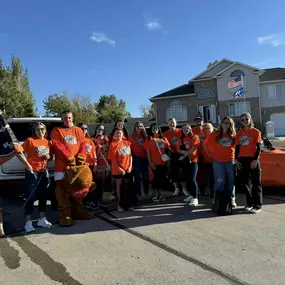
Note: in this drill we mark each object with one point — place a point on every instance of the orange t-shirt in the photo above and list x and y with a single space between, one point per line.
120 152
137 145
71 139
151 146
189 142
206 158
247 139
36 149
197 131
90 151
173 137
224 149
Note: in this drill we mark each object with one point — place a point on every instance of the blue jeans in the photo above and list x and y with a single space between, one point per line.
191 171
224 172
39 193
140 169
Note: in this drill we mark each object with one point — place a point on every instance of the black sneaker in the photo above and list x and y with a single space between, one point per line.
92 206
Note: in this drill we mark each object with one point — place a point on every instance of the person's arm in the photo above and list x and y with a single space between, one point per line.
258 151
58 143
237 151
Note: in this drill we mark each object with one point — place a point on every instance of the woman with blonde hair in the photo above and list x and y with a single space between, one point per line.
221 146
248 148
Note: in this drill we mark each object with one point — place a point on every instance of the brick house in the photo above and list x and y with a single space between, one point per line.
208 94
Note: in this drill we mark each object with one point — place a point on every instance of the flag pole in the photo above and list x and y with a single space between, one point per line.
242 85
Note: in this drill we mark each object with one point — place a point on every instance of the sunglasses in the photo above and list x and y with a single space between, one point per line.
139 126
40 129
84 129
100 129
245 120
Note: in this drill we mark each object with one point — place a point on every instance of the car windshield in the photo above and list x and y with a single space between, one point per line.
23 131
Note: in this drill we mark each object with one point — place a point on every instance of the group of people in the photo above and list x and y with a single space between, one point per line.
223 159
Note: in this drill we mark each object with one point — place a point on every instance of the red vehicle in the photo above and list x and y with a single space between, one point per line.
273 167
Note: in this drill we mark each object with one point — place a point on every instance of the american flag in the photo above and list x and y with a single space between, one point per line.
238 93
235 82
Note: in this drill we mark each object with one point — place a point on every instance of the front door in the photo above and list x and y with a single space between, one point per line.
208 113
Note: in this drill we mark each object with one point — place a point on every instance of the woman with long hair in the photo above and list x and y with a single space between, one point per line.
188 147
157 148
221 146
207 162
140 164
248 148
121 158
38 150
119 125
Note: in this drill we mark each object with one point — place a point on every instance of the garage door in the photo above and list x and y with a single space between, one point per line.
279 123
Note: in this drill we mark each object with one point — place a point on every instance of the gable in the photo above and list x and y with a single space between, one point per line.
213 70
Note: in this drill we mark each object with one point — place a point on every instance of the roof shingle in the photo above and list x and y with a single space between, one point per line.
180 90
271 74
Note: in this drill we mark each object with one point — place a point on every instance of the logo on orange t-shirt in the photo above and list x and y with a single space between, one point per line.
226 142
244 140
41 150
70 139
88 147
124 150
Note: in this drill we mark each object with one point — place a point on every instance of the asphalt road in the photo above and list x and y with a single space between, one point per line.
167 243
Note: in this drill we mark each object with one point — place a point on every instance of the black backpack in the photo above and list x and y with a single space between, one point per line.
223 203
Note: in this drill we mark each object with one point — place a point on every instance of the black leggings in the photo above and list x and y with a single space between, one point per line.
159 176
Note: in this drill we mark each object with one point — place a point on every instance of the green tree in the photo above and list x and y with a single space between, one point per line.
16 98
81 106
110 109
148 111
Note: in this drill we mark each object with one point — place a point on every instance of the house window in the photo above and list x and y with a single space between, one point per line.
238 108
178 111
275 91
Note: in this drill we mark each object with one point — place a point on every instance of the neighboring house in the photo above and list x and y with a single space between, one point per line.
208 94
272 98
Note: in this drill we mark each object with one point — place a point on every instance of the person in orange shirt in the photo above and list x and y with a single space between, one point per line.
37 180
121 158
173 134
248 148
120 125
206 162
221 146
140 164
198 129
67 141
188 146
91 158
157 147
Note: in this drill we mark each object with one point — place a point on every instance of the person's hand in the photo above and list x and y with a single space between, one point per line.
29 168
129 170
122 171
17 147
239 165
47 157
152 166
253 164
182 157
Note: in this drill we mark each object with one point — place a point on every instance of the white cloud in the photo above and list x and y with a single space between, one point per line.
274 39
101 38
153 25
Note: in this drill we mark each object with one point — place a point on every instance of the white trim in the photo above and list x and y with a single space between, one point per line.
272 81
243 64
202 79
169 97
224 59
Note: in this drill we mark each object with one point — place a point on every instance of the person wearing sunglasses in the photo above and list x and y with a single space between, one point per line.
221 146
140 164
91 158
38 150
248 150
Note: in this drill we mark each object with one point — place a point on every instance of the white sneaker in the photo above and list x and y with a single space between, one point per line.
188 199
185 191
247 208
29 227
44 223
176 192
234 204
120 209
194 202
255 211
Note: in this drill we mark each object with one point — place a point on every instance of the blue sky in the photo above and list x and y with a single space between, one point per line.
135 49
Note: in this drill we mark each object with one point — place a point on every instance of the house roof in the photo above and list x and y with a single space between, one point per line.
272 74
180 90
